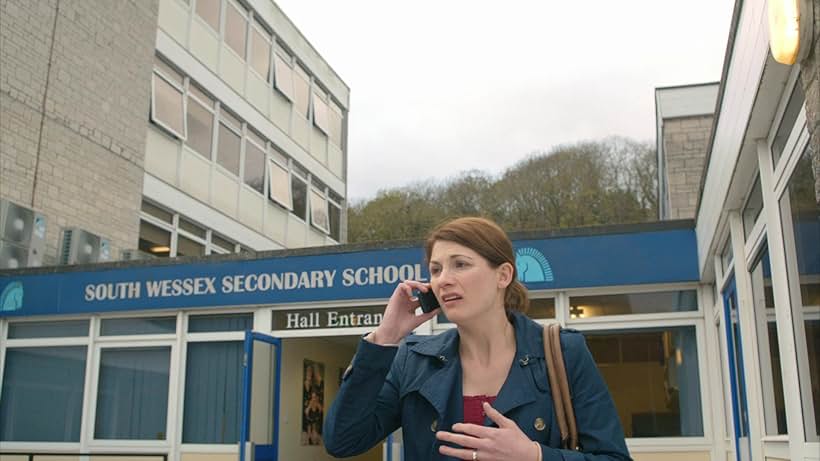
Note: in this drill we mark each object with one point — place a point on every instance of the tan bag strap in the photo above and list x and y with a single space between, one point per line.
561 397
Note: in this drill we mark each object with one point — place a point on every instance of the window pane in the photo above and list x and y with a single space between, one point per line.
168 72
726 256
255 167
213 382
283 76
542 308
192 228
260 54
335 120
299 192
168 106
200 128
653 377
200 95
229 145
220 322
222 243
208 10
132 396
280 185
633 303
139 326
752 208
787 122
154 240
42 399
61 329
320 113
235 29
258 139
301 94
318 210
230 119
772 381
157 212
335 223
188 247
801 211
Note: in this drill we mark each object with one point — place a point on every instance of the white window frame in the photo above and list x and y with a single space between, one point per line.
303 75
243 12
211 28
314 196
154 221
176 231
135 341
157 73
286 202
187 338
238 131
630 318
283 83
65 341
321 110
264 149
211 109
790 323
337 204
256 26
335 111
306 181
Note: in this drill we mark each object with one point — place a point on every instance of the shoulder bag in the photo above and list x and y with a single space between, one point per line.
561 397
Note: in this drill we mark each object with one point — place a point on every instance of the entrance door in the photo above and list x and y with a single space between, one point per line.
259 433
738 385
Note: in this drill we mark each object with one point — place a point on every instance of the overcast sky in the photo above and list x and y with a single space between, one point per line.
440 87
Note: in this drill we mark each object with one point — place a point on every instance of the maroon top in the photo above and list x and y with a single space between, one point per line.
473 410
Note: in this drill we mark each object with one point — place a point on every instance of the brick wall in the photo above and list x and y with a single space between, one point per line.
75 95
684 146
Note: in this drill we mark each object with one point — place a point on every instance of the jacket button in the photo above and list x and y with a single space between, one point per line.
539 424
434 425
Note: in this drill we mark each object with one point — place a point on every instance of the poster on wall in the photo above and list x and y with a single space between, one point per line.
313 399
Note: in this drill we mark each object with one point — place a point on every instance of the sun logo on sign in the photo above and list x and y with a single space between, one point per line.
12 297
532 266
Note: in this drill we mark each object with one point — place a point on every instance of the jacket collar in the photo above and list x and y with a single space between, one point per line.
518 389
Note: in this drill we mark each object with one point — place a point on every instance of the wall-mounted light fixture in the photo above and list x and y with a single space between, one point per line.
790 29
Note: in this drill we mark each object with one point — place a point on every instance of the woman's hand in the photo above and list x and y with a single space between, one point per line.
400 315
505 442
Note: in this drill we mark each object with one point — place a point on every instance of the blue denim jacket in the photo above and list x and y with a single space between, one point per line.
417 386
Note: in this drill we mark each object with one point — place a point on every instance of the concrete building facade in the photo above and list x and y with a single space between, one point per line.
171 127
75 85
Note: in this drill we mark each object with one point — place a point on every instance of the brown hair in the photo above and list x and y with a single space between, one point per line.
490 241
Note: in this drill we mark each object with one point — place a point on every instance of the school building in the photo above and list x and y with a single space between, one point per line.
175 282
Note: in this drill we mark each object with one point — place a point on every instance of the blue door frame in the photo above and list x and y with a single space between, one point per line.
261 452
740 413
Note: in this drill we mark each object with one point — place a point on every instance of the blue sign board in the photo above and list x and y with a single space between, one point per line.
553 263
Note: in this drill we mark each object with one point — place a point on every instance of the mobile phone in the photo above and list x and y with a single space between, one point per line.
428 300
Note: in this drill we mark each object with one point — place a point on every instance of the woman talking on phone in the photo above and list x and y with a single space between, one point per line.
479 391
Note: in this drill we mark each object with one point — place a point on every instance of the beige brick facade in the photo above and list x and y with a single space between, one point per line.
810 79
685 143
74 96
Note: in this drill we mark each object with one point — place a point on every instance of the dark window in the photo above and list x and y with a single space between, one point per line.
299 192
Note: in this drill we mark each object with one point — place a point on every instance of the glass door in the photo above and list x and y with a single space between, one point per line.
259 430
737 381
